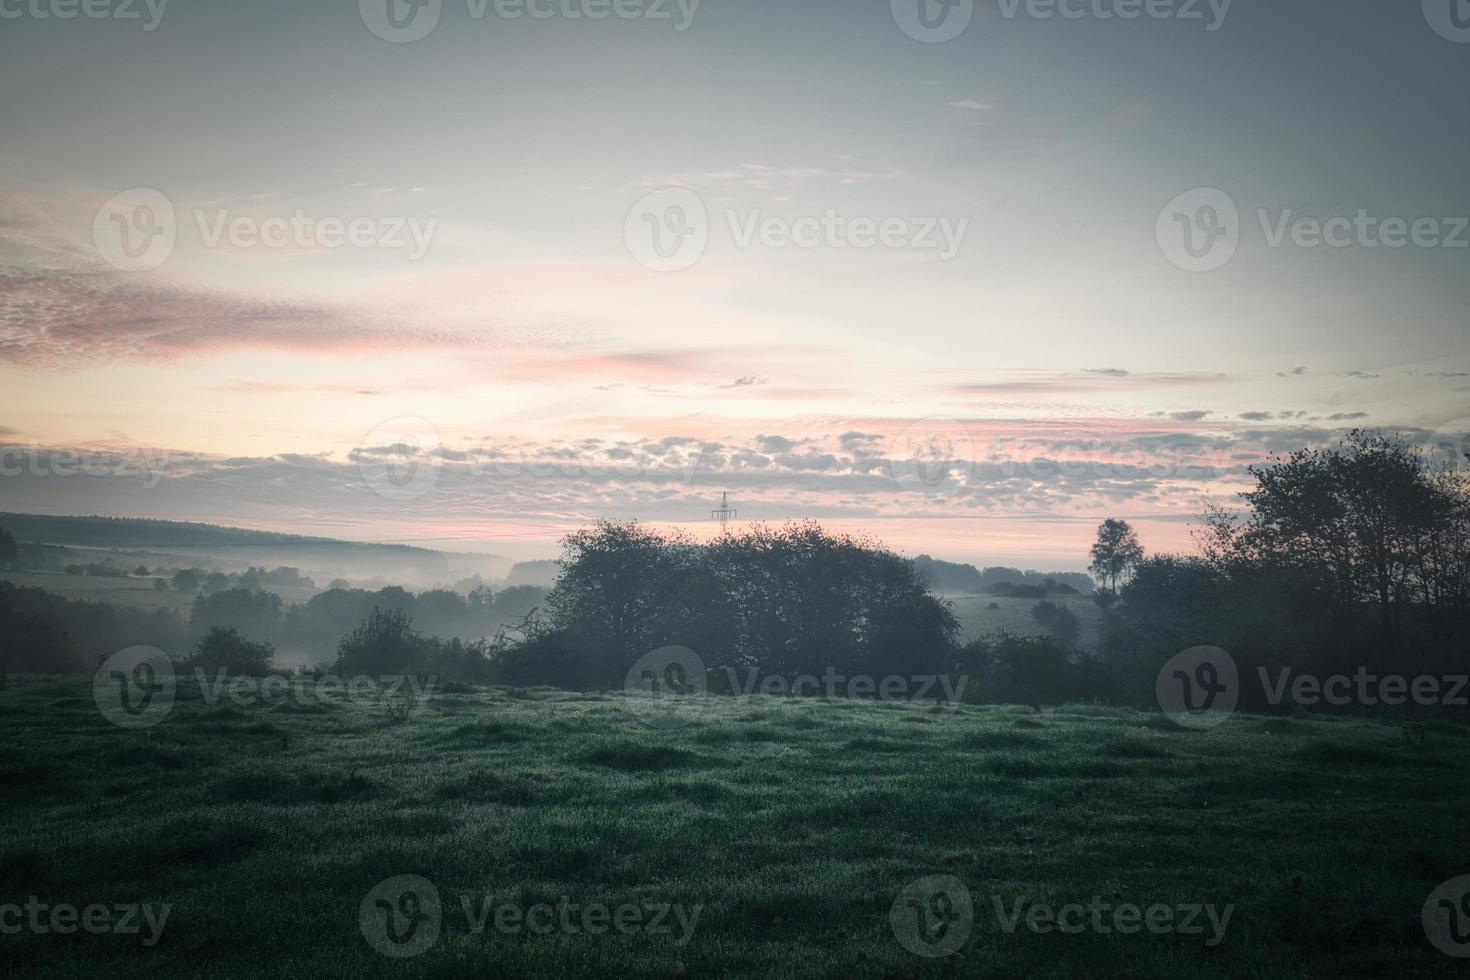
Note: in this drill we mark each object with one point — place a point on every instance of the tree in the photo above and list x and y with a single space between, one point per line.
186 580
9 551
384 643
1367 525
33 643
619 592
223 648
255 614
1116 553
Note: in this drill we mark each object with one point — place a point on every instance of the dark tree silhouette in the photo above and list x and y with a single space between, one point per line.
1116 553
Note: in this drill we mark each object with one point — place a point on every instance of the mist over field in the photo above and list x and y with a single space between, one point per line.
734 489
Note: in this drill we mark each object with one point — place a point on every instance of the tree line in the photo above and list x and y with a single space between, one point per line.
1341 558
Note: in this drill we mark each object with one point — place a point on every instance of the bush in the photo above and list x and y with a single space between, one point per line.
383 644
223 648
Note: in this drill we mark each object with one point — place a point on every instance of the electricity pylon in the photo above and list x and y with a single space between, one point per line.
724 513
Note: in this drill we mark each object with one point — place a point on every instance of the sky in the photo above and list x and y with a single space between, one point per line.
969 277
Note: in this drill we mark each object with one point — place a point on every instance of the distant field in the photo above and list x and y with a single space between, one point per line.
1014 615
136 592
794 826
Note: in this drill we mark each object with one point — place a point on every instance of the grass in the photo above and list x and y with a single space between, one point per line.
793 824
1014 616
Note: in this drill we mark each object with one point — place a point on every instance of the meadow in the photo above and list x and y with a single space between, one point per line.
1013 615
782 829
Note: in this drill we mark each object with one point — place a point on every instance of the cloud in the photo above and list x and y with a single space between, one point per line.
1194 416
1299 370
776 444
65 319
1347 416
1256 416
970 104
1107 372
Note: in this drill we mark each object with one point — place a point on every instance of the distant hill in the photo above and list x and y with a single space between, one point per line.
541 572
128 532
133 532
954 577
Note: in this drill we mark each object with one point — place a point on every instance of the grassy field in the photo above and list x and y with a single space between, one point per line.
134 591
1014 616
791 826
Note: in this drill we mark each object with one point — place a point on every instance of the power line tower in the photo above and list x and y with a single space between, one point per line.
724 513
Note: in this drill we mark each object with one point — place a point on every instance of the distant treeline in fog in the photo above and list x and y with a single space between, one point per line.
953 578
1351 558
53 634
